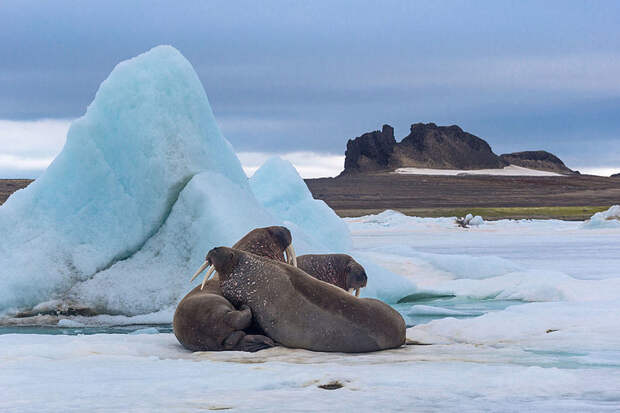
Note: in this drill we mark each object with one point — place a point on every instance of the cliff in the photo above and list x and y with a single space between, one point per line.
426 146
540 160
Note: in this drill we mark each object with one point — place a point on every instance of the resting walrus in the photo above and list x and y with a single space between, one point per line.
340 270
299 311
205 320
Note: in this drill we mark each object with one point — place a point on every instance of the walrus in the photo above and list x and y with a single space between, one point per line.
340 270
269 242
205 320
209 322
299 311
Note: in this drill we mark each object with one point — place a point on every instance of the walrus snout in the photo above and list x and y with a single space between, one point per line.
283 237
208 263
356 278
223 260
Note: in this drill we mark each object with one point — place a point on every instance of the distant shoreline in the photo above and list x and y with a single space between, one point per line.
492 197
575 197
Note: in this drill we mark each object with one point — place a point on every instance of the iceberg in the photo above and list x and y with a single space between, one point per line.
605 219
280 189
149 130
210 211
144 187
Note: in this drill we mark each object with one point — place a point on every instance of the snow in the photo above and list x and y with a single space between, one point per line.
510 170
473 220
528 321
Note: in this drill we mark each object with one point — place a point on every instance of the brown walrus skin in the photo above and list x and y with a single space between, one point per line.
205 321
340 270
299 311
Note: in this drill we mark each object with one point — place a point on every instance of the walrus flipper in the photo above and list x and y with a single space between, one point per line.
255 342
239 320
231 342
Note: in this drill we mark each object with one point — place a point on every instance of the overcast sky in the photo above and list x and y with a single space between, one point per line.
303 77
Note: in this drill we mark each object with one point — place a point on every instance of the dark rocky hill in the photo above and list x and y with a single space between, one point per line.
615 175
370 152
541 160
437 147
426 146
444 147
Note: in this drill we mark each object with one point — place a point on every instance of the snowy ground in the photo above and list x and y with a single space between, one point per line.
521 315
510 170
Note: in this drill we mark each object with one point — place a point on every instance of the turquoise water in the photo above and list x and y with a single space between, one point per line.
417 311
72 331
414 312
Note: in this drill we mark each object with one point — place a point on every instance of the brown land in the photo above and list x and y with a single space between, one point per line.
565 197
8 186
569 197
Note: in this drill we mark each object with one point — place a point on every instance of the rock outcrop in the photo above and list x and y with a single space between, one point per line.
426 146
370 152
615 175
444 147
540 160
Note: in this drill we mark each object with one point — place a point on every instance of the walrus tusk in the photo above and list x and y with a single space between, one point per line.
357 292
291 259
208 276
201 269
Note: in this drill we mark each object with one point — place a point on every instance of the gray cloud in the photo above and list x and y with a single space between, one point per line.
290 76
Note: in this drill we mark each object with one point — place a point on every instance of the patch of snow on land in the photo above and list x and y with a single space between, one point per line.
510 170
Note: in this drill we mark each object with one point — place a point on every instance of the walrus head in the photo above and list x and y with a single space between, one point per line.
282 237
273 242
223 260
355 277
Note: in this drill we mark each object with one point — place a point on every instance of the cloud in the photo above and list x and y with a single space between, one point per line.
602 171
28 147
308 164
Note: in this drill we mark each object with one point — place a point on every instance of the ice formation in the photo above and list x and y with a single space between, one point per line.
211 211
145 185
281 190
148 131
604 219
